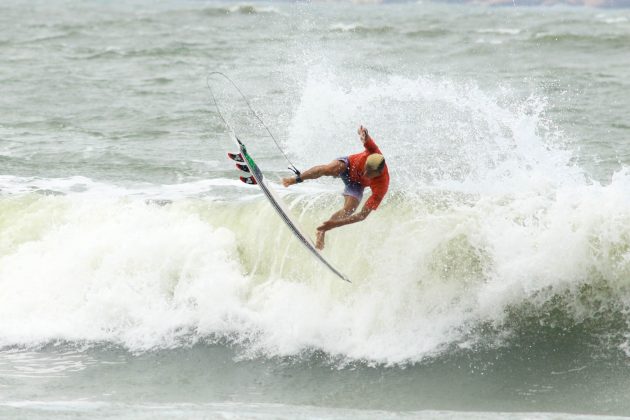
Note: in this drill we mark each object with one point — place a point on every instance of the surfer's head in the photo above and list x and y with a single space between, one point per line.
374 165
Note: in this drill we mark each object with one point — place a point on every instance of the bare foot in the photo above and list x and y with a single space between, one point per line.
319 244
288 181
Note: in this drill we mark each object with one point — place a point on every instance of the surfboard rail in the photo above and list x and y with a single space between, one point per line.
278 206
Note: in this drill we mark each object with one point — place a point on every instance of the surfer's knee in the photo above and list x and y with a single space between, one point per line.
334 168
350 205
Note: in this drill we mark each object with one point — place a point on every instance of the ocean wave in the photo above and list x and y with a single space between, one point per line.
243 9
359 28
448 272
490 234
609 40
427 33
179 49
611 20
50 37
499 31
488 41
142 411
79 185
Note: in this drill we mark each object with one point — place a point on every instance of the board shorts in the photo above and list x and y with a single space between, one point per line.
353 189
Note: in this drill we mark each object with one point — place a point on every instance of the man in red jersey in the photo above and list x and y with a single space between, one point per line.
365 169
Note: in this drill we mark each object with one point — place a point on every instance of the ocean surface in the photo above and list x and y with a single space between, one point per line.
140 279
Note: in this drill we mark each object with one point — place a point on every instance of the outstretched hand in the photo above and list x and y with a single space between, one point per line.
363 133
288 181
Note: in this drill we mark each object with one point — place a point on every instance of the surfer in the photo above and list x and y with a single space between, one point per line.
365 169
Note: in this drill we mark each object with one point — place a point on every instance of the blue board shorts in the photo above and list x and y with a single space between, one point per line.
353 189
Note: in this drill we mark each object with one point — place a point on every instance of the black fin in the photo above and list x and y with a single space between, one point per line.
237 157
248 180
243 168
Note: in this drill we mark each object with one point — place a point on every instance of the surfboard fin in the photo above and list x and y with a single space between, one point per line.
243 168
248 180
237 157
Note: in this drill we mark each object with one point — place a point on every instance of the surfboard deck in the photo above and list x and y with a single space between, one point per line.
277 204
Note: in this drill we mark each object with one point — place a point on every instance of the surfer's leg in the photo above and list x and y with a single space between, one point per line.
334 168
319 243
350 204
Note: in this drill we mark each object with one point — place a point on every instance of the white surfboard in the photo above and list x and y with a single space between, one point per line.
278 206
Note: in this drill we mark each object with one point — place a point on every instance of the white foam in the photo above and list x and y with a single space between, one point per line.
247 8
346 27
488 41
265 411
123 272
78 268
500 31
12 185
606 18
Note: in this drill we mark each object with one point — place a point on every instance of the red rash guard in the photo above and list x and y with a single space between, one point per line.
356 167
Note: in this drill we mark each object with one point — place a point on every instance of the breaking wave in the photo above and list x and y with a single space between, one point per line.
490 232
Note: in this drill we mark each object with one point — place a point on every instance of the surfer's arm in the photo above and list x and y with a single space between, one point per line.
368 142
335 223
